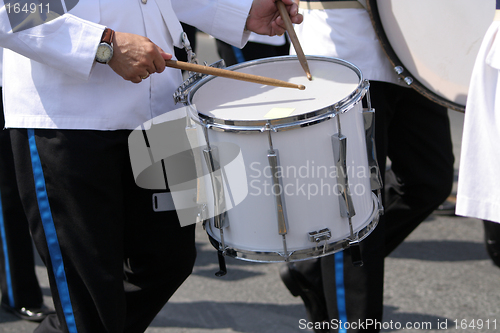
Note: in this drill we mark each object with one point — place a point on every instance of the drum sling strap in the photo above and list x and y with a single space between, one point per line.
332 4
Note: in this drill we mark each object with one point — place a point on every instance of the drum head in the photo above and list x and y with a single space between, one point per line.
435 43
227 101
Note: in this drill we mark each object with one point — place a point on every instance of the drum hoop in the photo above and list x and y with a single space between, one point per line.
286 123
398 65
303 254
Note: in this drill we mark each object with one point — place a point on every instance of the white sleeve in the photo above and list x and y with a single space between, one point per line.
223 19
67 42
1 67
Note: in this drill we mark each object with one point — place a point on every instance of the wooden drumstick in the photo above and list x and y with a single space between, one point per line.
232 74
293 37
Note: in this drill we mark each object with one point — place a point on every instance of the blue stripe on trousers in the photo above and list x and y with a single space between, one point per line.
51 235
238 54
339 282
8 277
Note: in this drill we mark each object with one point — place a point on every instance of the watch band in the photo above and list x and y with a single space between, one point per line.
107 36
104 51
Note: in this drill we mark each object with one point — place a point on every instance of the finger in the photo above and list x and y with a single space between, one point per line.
159 60
165 55
159 64
297 19
279 22
136 80
278 26
294 9
280 31
293 12
289 2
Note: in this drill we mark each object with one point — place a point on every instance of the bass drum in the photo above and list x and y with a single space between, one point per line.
433 44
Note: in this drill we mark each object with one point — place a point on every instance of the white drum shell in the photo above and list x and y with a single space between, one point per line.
308 170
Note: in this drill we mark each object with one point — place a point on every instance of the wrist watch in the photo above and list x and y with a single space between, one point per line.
105 49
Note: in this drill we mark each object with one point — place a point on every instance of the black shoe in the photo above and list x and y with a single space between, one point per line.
312 296
30 314
492 240
447 208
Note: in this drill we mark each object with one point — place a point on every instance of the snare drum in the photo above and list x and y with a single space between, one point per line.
309 170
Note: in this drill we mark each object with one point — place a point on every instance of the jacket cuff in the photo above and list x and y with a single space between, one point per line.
70 46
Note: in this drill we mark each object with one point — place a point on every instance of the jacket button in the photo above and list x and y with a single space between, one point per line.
144 1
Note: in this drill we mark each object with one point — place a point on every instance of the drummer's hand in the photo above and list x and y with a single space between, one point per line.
136 57
264 17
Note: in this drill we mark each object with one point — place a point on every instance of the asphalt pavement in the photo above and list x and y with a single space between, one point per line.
439 279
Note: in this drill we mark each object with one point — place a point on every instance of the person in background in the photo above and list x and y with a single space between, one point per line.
478 192
412 132
78 83
21 292
258 47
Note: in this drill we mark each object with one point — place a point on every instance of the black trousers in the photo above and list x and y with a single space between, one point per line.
18 281
112 261
414 134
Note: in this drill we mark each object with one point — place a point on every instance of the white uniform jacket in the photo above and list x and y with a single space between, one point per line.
478 193
1 65
52 81
347 34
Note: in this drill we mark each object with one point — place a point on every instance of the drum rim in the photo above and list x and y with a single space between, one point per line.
286 123
303 254
399 67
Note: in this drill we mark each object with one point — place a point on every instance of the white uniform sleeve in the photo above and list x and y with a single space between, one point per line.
1 66
227 18
67 42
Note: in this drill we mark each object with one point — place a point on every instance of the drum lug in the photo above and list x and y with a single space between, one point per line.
380 205
339 143
273 157
280 200
375 177
201 200
220 216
